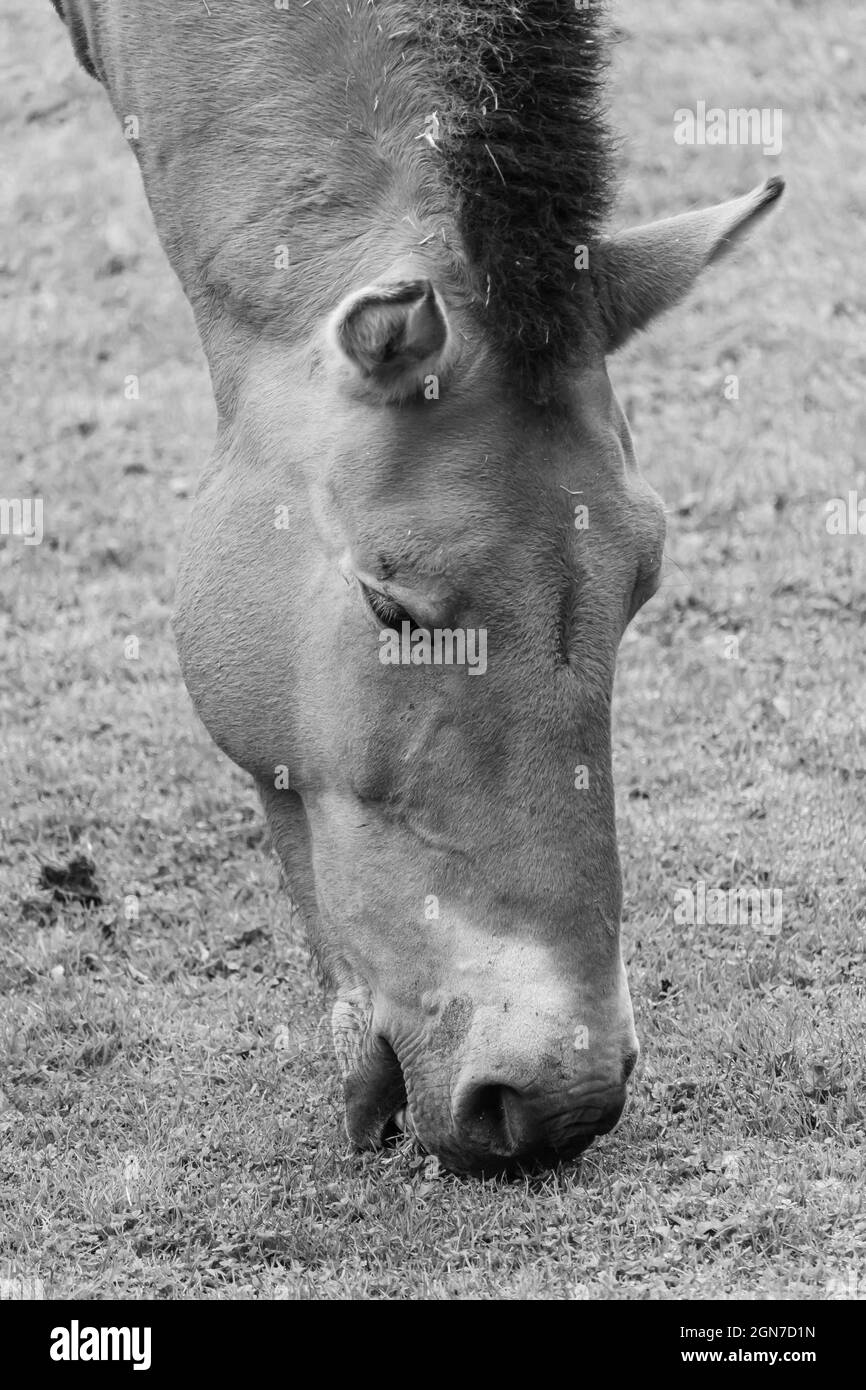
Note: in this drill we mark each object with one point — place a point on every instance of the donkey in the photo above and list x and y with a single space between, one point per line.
389 218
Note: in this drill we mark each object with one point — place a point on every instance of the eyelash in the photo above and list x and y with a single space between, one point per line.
388 613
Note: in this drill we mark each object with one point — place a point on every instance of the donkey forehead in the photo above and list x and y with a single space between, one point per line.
485 419
482 453
410 501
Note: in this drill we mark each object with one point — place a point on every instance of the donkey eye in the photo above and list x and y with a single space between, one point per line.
389 613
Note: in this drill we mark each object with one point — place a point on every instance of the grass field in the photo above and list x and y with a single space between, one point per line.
170 1117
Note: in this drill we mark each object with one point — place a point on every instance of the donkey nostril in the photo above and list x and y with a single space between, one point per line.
500 1125
492 1118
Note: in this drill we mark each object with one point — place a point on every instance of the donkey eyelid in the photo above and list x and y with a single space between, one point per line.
382 606
420 607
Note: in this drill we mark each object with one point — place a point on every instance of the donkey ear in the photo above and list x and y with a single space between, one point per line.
393 335
639 273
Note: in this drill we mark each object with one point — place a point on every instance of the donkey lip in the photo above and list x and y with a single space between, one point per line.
373 1096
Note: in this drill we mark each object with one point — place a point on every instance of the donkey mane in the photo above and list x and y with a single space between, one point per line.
528 159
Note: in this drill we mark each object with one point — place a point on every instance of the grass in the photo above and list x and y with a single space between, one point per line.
170 1121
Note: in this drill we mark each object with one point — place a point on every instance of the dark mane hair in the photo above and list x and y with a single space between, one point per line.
528 158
